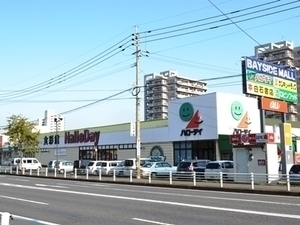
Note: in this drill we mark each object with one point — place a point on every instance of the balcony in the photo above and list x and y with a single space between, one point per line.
149 98
292 109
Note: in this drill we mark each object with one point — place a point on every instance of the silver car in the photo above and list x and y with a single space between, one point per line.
64 166
155 169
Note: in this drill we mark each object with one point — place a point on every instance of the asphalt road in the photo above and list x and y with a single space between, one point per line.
67 202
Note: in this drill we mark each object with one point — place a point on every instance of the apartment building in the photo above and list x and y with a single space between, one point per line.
283 53
48 123
166 85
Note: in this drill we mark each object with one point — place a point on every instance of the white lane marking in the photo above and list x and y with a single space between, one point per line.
18 179
83 186
207 191
23 200
204 197
33 220
46 185
205 207
151 221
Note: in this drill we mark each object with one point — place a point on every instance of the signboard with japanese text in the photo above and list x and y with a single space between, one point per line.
266 79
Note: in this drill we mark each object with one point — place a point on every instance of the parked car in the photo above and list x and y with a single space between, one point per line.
51 165
27 163
80 166
155 169
130 164
107 166
213 169
64 166
93 167
119 167
295 174
186 168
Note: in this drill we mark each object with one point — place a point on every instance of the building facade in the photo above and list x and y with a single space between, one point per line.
283 53
167 85
197 128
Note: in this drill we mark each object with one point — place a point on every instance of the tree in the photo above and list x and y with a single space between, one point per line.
23 136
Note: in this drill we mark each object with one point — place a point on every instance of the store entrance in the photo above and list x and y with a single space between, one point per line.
194 150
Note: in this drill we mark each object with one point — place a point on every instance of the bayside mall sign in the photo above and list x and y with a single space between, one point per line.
86 136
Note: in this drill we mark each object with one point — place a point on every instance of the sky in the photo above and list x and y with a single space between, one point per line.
63 55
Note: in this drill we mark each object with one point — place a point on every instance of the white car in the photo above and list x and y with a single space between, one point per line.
28 164
155 169
213 169
64 166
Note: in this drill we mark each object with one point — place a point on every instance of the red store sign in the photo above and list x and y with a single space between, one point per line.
82 137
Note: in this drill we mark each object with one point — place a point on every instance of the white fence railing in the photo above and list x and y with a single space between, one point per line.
216 179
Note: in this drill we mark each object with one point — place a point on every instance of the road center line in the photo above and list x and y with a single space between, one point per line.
151 221
46 185
205 207
206 197
18 179
23 200
191 196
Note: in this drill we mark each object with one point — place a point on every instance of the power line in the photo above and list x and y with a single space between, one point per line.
212 38
70 73
15 83
181 14
191 63
79 83
208 18
219 26
230 19
67 100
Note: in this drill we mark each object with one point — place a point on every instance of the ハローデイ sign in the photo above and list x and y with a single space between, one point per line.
193 119
265 79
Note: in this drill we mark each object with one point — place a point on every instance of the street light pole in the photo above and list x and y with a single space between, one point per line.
96 150
57 120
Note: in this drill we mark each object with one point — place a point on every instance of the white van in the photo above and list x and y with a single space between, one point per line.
130 164
93 167
213 169
107 166
28 163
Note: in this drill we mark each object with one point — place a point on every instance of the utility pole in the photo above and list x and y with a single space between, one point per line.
137 98
57 120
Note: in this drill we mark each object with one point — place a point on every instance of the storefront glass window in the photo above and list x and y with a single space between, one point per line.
176 157
176 145
188 154
182 144
188 144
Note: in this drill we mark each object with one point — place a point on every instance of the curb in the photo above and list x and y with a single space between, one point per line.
174 186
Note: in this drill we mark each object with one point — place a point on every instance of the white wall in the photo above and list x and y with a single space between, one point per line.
272 162
248 110
206 104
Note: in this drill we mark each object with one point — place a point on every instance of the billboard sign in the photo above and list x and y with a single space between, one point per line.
266 79
273 105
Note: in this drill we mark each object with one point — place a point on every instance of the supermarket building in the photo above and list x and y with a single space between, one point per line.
197 128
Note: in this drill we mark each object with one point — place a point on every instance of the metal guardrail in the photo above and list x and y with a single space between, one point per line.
251 179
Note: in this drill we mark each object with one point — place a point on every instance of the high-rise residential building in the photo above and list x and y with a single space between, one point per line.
282 53
48 124
160 87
